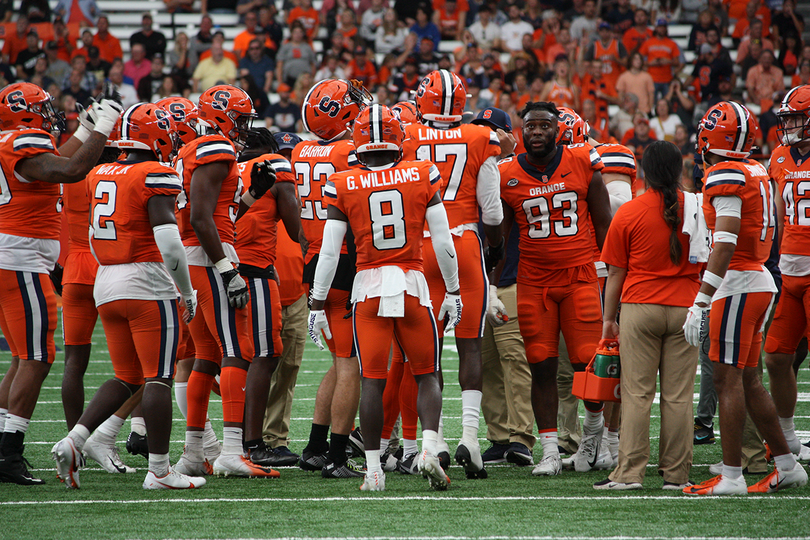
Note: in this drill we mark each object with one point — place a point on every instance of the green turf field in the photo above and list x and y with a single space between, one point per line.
510 504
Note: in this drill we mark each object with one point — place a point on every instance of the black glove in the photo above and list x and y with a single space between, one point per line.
493 255
56 278
262 178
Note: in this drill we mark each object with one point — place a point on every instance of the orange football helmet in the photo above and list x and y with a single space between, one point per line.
794 116
406 112
145 126
573 129
727 129
331 106
115 134
26 105
377 128
441 97
184 113
228 110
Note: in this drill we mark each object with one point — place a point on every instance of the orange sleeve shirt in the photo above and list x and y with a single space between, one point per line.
309 18
749 181
638 241
551 210
791 172
202 151
386 211
256 230
108 49
655 48
28 209
458 153
313 162
119 194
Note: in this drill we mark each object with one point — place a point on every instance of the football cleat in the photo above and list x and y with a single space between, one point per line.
138 445
310 461
431 469
519 454
777 481
548 466
172 480
390 461
189 467
350 469
468 455
68 461
703 434
716 468
14 470
672 486
373 481
236 465
408 464
719 485
280 456
356 442
607 483
587 455
106 456
443 452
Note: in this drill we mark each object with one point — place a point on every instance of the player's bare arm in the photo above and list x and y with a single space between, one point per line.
55 169
288 208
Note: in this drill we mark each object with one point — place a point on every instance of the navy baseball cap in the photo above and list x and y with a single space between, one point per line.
492 117
286 140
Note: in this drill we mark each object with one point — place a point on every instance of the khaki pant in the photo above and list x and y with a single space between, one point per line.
276 429
652 343
507 390
569 430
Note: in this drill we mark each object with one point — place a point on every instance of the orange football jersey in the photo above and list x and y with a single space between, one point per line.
791 172
458 154
749 181
313 162
29 209
201 151
119 194
386 211
551 210
80 265
256 230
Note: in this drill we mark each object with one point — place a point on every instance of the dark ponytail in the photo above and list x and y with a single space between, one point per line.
663 165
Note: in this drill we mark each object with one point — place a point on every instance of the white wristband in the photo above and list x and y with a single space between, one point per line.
224 265
703 298
712 279
248 199
82 133
725 237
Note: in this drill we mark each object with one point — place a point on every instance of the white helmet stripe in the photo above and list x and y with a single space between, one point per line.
447 91
125 121
786 99
742 126
375 124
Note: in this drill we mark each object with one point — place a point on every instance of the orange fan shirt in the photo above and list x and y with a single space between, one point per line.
202 151
308 17
256 230
458 154
655 48
119 193
551 210
386 211
791 171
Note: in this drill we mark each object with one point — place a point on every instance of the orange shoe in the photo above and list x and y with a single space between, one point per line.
796 477
719 485
768 454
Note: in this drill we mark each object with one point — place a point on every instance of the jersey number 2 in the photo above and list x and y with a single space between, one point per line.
104 230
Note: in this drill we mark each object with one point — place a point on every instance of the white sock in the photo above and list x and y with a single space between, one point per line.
108 430
594 422
612 439
785 462
429 439
3 416
789 430
180 390
137 425
232 441
470 414
159 464
732 473
194 445
79 434
384 445
373 461
410 447
549 441
16 423
209 437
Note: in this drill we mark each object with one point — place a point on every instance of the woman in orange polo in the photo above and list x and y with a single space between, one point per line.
650 272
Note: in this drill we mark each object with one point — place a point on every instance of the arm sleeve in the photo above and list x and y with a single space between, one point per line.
488 192
727 206
619 193
333 233
443 246
167 238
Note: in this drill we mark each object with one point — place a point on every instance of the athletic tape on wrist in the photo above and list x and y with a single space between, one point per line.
224 265
703 298
712 279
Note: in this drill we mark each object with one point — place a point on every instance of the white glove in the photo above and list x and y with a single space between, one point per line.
104 115
696 325
496 312
238 294
190 306
451 307
318 322
86 126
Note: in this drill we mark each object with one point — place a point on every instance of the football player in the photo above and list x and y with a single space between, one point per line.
135 239
739 291
30 171
466 156
328 111
388 202
554 193
256 248
788 167
207 207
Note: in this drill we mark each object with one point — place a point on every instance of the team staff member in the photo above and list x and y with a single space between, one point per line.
655 294
553 192
31 168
